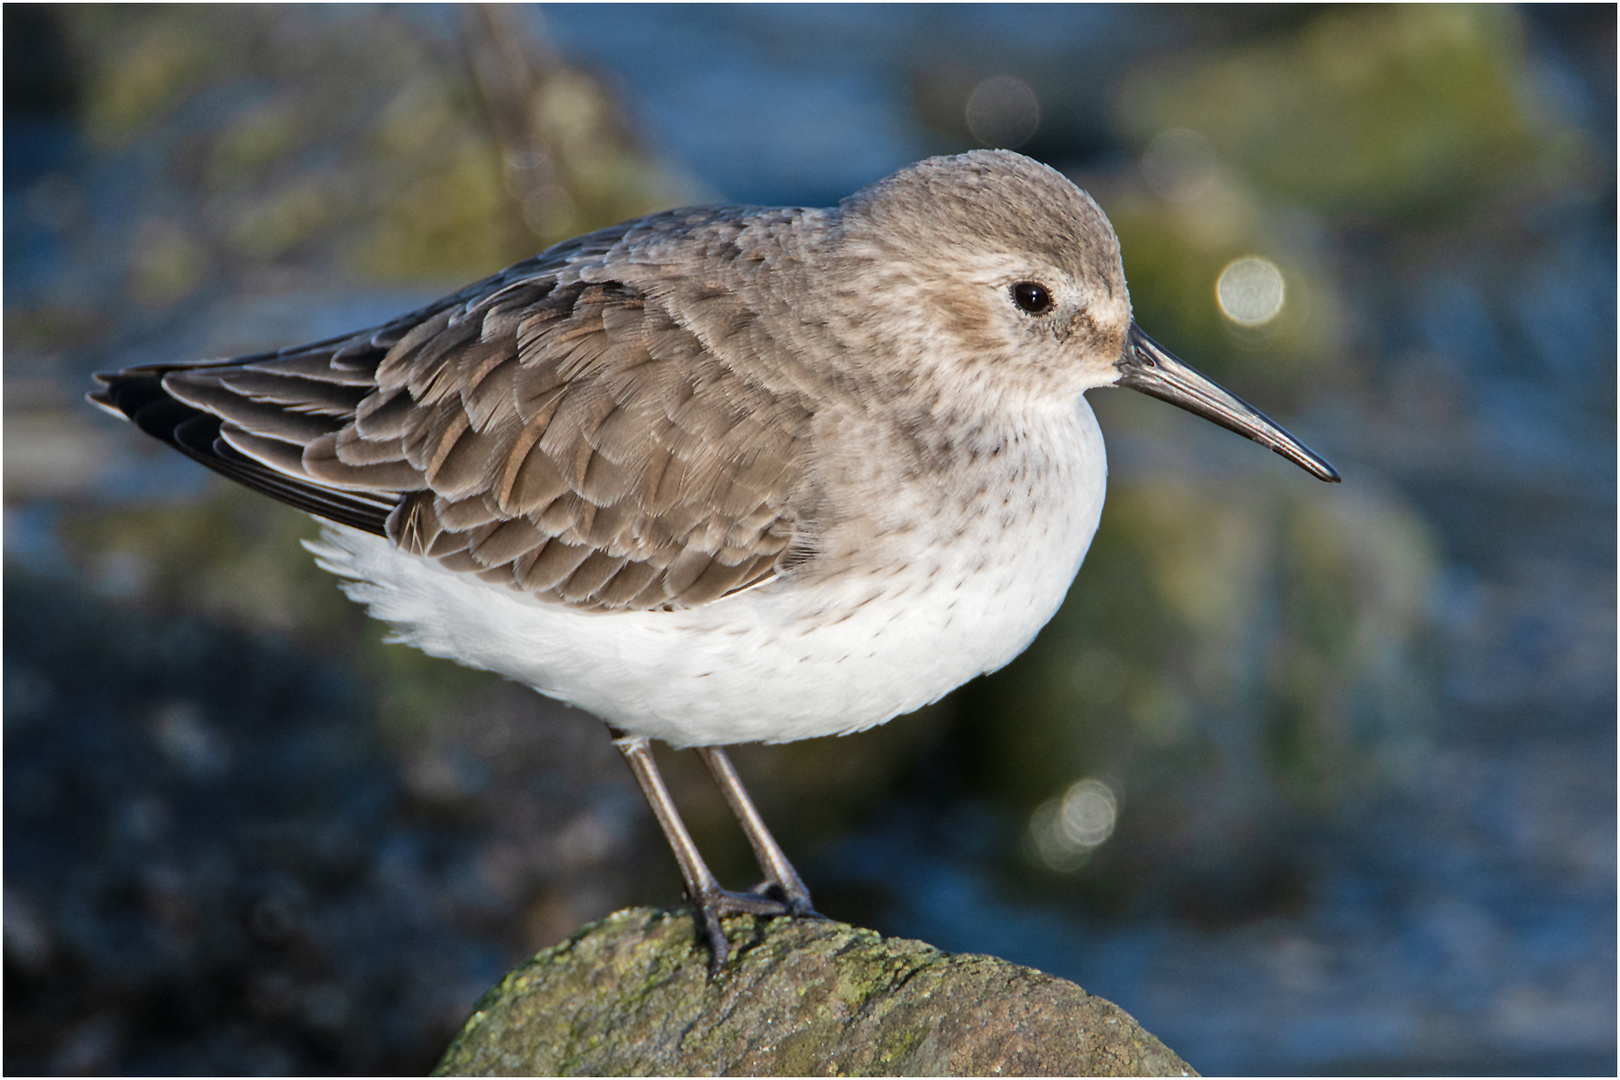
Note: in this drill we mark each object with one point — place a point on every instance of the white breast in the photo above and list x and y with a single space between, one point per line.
960 594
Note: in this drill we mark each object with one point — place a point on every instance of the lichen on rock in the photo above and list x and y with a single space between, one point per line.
632 994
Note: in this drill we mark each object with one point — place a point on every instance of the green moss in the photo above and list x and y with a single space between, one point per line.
255 143
168 264
145 67
1400 110
630 995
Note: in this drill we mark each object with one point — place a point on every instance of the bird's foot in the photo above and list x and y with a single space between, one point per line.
767 900
795 902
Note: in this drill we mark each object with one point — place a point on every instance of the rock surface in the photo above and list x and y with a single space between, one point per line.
632 995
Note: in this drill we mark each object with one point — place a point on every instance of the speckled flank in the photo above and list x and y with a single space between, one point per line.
958 585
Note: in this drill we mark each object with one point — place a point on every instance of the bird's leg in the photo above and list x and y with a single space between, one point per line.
702 888
779 873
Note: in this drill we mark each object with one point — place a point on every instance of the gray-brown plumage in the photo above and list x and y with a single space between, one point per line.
769 473
556 428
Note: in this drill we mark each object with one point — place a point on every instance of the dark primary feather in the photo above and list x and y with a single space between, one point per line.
571 438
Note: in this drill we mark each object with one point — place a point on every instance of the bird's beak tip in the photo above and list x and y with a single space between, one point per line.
1146 366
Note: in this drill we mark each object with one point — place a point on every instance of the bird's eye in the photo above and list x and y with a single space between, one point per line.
1032 297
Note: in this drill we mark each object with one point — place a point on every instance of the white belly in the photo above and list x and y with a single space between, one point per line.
952 599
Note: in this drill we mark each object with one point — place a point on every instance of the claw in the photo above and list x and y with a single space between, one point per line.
715 906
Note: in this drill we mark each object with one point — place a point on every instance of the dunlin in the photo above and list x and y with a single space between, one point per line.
724 474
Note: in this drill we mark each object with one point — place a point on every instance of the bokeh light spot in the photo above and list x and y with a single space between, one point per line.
1250 291
1003 111
1066 830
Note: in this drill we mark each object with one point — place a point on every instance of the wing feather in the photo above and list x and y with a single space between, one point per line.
585 441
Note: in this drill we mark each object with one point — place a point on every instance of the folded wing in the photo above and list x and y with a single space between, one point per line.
573 439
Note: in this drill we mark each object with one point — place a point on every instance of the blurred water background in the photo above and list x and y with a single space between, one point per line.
1307 779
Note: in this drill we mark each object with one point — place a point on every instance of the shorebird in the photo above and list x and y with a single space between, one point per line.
721 474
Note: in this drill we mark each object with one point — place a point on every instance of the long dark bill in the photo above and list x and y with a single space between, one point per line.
1149 367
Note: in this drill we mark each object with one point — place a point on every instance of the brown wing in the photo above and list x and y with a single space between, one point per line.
571 439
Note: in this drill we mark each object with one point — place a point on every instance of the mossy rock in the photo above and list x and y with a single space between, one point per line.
632 995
